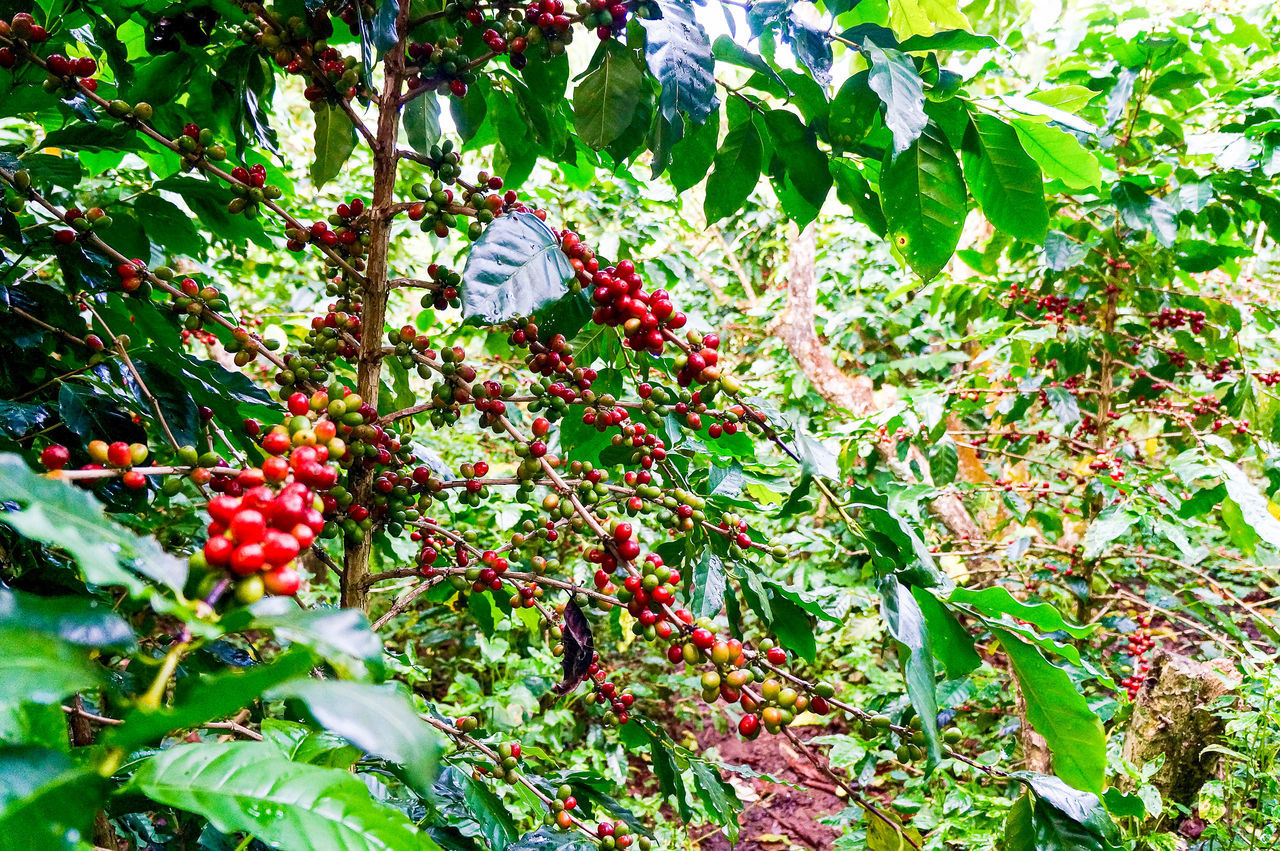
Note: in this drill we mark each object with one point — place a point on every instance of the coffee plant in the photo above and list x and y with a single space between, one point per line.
366 487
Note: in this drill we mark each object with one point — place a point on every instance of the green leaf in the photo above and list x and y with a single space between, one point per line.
727 50
472 809
422 122
45 802
678 53
1061 253
1058 153
944 463
925 17
1058 711
906 623
719 798
1145 212
707 585
797 149
342 637
42 668
1252 504
61 515
75 620
893 77
605 101
853 112
692 156
1005 181
735 173
996 601
1064 405
1054 817
515 268
379 719
1105 528
249 787
335 139
950 643
923 194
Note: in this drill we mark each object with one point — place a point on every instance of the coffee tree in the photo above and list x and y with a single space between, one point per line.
481 411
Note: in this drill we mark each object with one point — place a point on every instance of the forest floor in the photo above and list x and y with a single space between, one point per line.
776 816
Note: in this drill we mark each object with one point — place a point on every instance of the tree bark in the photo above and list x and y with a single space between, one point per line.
854 393
1171 719
376 290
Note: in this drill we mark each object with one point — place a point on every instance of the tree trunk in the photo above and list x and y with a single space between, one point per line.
854 393
376 290
1172 720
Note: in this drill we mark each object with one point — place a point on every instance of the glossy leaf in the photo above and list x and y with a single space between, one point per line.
515 268
678 53
606 98
74 620
342 637
379 719
1058 153
707 585
61 515
923 194
1004 180
906 623
894 79
422 122
735 173
249 787
1057 710
335 139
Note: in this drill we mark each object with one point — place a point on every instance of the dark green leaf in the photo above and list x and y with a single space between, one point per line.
692 156
679 56
515 268
422 122
736 170
1006 183
853 112
335 139
46 803
1145 212
923 194
341 637
605 100
249 787
944 463
75 620
950 642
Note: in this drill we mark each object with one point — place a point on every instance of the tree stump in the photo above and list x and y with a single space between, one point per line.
1172 719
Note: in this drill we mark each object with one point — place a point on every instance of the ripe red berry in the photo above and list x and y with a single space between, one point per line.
702 638
118 454
134 480
776 655
218 550
749 726
55 457
248 526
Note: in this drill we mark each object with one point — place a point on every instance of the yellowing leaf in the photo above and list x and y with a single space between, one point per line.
925 17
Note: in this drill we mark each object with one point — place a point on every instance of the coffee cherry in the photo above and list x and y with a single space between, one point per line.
55 457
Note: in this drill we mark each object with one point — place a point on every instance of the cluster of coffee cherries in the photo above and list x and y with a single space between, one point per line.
438 212
102 455
443 67
548 23
15 195
133 277
607 17
1138 649
508 761
65 73
194 143
446 285
621 302
250 189
195 300
1175 317
258 536
92 220
301 48
618 834
21 28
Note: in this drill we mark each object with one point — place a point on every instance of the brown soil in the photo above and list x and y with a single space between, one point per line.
780 817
